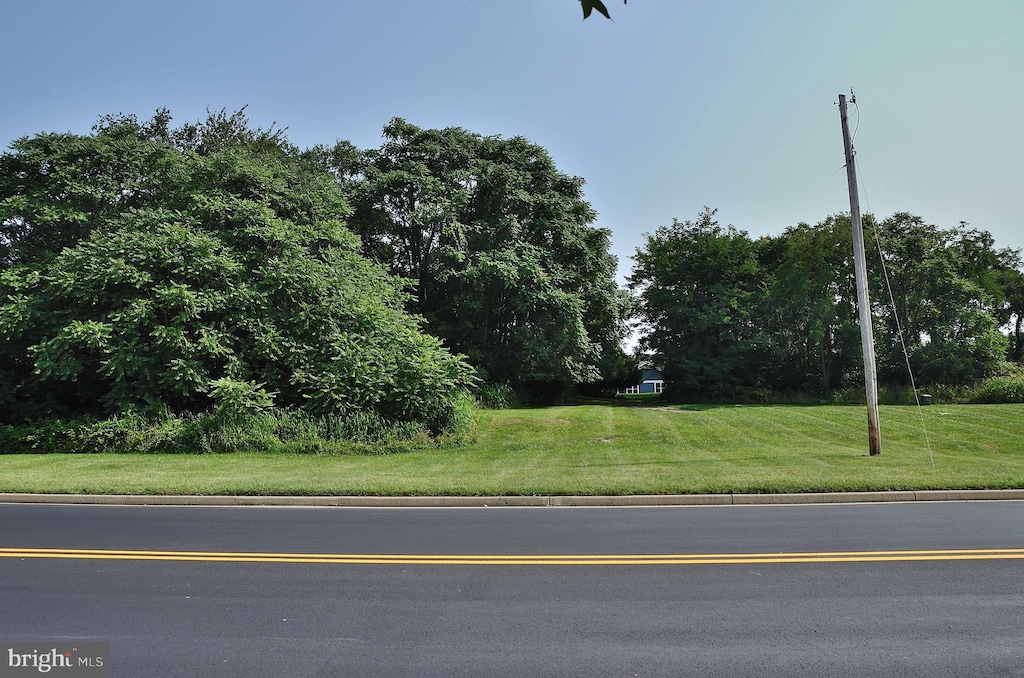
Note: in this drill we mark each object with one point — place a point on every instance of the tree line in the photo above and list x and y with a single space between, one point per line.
151 268
723 312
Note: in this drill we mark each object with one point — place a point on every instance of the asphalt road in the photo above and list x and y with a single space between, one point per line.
760 616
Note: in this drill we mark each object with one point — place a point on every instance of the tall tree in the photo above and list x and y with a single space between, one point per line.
810 313
697 286
507 268
1010 308
409 199
943 284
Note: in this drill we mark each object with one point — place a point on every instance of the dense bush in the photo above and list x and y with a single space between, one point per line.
201 271
1008 388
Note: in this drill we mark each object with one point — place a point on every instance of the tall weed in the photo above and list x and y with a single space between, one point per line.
241 426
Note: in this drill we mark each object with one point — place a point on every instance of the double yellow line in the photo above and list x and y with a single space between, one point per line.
533 560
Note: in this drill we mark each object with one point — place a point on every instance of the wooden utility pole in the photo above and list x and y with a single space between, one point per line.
860 268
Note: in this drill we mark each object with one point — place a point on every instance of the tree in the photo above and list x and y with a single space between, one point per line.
943 290
410 198
697 287
943 284
146 267
723 312
810 313
507 269
1010 310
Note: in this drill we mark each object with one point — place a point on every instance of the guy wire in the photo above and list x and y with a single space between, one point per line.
895 314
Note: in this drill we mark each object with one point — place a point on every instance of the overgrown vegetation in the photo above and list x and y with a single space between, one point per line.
270 431
496 396
196 273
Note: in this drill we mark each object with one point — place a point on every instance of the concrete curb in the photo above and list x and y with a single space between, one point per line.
541 501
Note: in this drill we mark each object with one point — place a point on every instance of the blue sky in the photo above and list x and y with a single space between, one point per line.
672 106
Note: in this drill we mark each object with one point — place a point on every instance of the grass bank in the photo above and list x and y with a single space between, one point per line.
596 449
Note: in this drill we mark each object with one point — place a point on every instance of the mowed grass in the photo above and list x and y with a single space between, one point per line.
598 449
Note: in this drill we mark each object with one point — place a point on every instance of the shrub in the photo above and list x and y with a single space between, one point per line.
1002 389
265 430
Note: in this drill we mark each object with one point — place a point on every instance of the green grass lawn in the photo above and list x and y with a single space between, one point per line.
598 449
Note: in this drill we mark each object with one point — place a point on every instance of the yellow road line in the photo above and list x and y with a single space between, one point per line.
574 559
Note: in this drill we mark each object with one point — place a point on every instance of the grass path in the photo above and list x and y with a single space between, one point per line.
598 449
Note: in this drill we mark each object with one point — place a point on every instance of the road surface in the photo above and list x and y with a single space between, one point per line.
924 589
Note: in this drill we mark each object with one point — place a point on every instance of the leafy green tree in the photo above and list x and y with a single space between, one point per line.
943 284
409 199
148 267
507 269
810 314
697 288
1010 310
